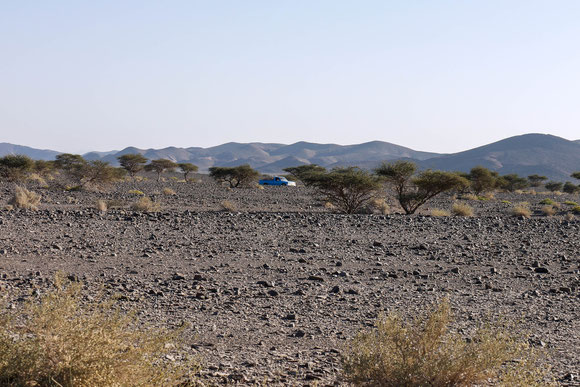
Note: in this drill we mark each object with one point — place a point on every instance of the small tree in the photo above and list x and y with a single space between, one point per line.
43 167
159 166
235 176
482 179
304 173
576 175
570 188
15 167
512 182
74 167
187 168
554 186
536 180
349 189
414 191
133 163
82 172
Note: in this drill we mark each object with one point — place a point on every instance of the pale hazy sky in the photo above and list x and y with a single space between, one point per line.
432 75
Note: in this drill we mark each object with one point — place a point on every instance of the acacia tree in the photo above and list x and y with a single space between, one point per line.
570 188
349 189
159 166
235 176
412 191
133 163
15 167
304 173
481 179
512 182
187 168
576 175
82 172
554 186
536 180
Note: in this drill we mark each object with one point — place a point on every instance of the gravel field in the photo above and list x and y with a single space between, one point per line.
274 290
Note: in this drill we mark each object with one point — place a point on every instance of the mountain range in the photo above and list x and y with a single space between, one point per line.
544 154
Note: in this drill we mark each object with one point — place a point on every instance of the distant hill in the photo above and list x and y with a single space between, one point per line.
36 154
527 154
548 155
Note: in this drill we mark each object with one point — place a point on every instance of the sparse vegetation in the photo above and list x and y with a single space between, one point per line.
132 163
481 180
242 175
522 209
348 189
439 212
186 169
228 206
554 186
461 209
145 204
413 191
427 353
547 201
63 340
548 210
23 198
14 168
169 192
304 173
159 166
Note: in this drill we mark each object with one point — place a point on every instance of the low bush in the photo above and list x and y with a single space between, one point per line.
136 192
461 209
547 201
23 198
145 204
439 212
64 340
169 192
102 205
522 209
548 210
576 210
228 206
380 205
427 353
469 197
570 203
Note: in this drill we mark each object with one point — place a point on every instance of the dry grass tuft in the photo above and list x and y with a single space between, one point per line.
38 179
461 209
145 204
329 206
23 198
469 197
168 192
136 192
439 212
228 206
380 205
522 209
102 205
426 353
569 216
548 210
547 201
63 341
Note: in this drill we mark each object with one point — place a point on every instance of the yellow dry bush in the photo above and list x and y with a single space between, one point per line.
65 341
228 206
380 205
427 353
461 209
522 209
23 198
37 179
439 212
102 205
145 204
136 192
329 206
168 191
469 197
548 210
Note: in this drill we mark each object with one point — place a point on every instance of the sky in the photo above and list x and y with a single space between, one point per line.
439 76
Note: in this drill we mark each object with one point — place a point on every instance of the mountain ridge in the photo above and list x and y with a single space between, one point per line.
524 154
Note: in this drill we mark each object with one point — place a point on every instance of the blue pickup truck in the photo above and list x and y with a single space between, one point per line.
277 180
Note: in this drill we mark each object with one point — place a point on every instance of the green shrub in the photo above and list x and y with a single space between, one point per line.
554 186
427 353
135 192
576 210
547 201
570 203
242 175
66 341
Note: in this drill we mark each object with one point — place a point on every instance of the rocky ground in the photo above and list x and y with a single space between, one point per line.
274 290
